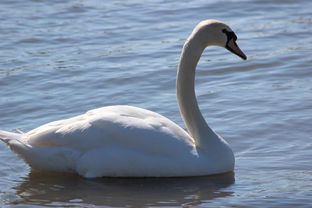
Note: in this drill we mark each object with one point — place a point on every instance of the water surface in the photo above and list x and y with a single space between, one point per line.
59 59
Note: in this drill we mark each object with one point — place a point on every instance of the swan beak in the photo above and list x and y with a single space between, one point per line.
233 47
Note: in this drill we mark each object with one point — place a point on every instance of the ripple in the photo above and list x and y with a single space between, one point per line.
62 58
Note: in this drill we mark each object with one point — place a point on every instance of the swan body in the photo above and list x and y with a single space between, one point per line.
126 141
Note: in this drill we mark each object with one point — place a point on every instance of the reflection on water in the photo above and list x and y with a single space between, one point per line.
61 58
51 189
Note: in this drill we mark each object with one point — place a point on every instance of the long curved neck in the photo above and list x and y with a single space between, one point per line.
193 119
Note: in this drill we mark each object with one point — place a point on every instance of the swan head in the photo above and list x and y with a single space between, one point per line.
217 33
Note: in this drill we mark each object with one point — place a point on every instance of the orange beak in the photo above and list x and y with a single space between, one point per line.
233 47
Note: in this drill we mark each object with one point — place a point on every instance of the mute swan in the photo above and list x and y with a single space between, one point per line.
126 141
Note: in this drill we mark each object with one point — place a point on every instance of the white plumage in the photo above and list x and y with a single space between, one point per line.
127 141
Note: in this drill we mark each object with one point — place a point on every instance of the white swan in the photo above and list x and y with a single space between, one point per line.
126 141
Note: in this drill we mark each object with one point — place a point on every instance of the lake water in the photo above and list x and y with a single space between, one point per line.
61 58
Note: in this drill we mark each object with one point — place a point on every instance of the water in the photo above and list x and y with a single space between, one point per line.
61 58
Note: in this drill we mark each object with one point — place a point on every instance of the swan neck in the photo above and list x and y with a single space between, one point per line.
190 112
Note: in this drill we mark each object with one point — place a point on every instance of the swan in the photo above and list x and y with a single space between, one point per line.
127 141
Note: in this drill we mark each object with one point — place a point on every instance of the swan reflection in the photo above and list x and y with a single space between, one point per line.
53 189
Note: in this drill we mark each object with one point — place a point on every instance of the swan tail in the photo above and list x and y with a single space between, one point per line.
16 142
6 136
60 159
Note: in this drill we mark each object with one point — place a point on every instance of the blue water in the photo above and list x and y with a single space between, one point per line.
61 58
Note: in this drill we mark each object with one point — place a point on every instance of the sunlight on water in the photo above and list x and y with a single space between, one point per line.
59 59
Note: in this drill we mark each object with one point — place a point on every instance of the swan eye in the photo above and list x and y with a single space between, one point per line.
230 35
